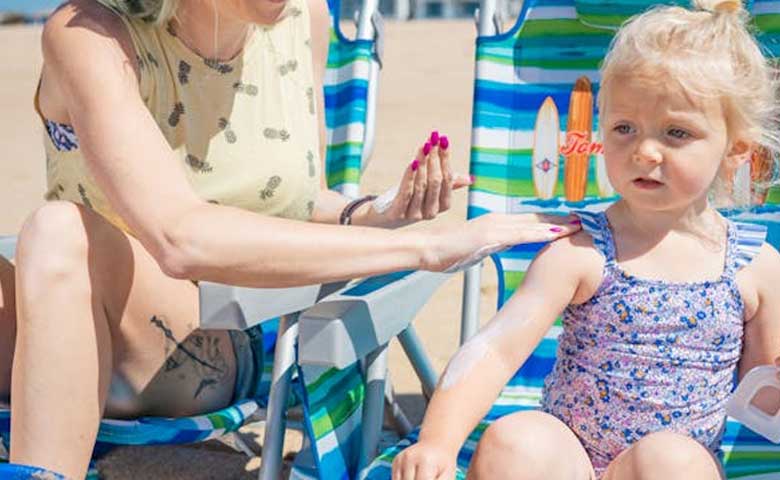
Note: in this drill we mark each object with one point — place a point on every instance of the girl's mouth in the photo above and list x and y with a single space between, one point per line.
647 183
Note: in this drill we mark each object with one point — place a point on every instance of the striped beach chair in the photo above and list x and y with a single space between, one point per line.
350 91
535 148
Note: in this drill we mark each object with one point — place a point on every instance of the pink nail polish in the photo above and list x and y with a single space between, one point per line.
415 165
473 179
575 222
556 229
426 148
434 138
444 142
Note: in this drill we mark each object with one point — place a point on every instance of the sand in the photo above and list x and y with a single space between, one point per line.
426 84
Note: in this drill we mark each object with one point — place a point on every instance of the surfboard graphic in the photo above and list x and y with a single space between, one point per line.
760 173
547 139
602 180
579 124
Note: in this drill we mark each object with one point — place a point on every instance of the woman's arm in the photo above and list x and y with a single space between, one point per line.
89 56
561 274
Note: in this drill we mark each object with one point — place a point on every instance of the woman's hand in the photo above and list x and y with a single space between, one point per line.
457 249
425 189
423 461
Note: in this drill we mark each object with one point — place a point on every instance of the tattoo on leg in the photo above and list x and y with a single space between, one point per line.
200 349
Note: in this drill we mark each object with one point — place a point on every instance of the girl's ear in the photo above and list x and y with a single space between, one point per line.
738 154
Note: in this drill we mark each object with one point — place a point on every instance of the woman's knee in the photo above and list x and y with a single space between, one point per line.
668 455
52 244
528 445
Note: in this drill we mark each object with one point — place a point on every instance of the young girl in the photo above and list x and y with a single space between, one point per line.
663 299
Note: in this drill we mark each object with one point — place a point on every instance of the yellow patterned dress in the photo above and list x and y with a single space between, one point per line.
245 131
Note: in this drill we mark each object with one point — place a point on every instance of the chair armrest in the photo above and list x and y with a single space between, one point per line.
239 308
351 323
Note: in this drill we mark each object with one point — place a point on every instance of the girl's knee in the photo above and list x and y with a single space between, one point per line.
671 455
525 445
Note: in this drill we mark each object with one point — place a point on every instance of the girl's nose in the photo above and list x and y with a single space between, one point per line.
647 151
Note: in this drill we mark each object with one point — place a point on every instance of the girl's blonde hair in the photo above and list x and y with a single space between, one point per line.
709 51
157 12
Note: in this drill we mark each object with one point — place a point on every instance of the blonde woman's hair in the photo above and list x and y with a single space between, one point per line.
153 11
709 51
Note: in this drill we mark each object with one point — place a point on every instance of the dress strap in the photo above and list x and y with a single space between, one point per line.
749 237
595 224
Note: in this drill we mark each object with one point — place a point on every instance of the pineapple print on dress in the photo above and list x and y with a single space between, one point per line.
152 60
84 198
175 116
274 134
246 88
224 125
312 166
184 72
55 193
290 66
198 165
310 98
270 187
215 64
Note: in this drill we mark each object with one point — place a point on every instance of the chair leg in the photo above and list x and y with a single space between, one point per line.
470 307
419 359
373 406
284 362
395 413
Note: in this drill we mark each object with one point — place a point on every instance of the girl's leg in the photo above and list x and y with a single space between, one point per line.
665 456
7 327
528 446
93 311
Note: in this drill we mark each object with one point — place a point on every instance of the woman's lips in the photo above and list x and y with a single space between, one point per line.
647 184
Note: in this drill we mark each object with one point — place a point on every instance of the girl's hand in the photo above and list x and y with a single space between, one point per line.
425 189
424 461
457 249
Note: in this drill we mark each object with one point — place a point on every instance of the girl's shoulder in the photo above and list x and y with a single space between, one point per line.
758 279
577 255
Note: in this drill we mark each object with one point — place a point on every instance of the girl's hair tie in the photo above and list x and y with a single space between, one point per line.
727 6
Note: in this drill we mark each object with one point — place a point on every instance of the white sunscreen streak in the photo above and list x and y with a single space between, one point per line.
383 202
475 350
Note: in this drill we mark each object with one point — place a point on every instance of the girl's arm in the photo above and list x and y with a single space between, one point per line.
561 274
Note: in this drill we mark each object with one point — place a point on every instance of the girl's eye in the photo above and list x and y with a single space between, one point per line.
623 129
678 133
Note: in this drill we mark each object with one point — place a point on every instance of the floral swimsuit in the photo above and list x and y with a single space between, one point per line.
643 355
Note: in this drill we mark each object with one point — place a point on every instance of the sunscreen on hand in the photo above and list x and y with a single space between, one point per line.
740 407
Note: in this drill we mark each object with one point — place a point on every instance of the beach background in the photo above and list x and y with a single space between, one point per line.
426 84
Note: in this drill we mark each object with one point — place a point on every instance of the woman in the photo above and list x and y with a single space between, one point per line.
181 148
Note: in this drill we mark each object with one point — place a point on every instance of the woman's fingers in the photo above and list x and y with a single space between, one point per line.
445 195
414 209
431 203
405 190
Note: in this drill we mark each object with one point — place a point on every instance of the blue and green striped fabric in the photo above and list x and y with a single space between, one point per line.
346 106
553 44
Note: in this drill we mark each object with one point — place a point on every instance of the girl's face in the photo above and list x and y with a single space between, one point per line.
663 148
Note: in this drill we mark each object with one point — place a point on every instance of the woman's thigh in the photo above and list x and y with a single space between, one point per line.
530 445
161 363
